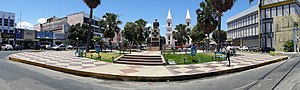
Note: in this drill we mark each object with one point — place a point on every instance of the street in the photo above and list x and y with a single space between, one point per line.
281 76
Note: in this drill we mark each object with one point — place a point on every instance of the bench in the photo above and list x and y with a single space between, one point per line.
219 56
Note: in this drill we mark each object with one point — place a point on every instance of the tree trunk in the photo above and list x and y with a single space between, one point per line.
219 30
89 31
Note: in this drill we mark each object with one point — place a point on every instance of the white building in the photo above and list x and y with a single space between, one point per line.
243 28
7 22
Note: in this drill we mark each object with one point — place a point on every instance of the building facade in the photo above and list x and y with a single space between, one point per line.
60 27
243 28
273 25
7 22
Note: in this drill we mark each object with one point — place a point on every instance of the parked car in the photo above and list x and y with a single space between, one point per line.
6 47
59 47
70 47
267 49
48 47
18 47
253 48
244 48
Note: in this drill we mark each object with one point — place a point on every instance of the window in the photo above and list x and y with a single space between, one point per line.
279 11
169 37
293 9
268 14
188 23
12 23
169 24
5 22
274 12
263 14
286 10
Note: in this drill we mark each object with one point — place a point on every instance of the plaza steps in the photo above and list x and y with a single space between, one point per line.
140 60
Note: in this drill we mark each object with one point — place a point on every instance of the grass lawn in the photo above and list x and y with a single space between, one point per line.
107 57
178 58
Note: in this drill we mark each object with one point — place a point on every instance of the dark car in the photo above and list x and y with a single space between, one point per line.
267 49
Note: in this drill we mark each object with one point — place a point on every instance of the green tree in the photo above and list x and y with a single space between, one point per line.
206 17
78 31
142 31
110 24
223 36
181 34
288 46
129 33
92 4
99 41
197 35
221 6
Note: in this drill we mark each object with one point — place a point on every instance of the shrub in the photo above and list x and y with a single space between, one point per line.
288 46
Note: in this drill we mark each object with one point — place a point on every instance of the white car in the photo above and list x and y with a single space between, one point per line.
244 48
6 47
59 47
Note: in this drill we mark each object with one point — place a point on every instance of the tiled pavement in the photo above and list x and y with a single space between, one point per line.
66 59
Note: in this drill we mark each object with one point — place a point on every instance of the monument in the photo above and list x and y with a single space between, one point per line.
155 37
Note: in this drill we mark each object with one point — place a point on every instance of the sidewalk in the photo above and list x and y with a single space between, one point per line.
65 61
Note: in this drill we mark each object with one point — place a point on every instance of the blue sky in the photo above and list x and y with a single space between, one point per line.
131 10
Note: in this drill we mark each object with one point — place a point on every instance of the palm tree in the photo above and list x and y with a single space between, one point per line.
206 18
221 6
92 4
111 22
181 34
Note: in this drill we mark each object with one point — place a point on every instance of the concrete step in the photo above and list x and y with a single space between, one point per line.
140 60
139 63
142 55
138 57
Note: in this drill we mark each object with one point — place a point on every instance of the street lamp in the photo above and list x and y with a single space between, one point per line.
77 43
207 40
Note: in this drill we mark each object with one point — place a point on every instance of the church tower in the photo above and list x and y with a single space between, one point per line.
169 37
188 23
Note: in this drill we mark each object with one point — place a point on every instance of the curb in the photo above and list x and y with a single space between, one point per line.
144 78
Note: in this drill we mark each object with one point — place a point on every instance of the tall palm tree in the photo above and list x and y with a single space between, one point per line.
92 4
206 18
111 23
221 6
181 34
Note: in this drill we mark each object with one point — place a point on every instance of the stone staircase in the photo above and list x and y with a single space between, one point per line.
141 60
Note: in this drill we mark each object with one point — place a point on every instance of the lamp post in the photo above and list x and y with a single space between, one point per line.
207 41
77 44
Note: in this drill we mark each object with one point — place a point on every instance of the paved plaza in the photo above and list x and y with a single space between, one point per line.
67 60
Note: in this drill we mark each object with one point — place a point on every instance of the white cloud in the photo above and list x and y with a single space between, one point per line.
148 25
42 20
25 25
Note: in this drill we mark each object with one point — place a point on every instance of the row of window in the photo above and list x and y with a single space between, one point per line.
242 22
280 11
7 31
6 22
245 32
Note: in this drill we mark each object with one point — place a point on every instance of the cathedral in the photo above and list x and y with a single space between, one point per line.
169 37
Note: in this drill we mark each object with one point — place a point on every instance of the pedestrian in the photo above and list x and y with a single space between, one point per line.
228 57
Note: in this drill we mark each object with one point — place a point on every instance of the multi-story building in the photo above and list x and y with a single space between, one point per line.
7 22
272 26
243 28
60 27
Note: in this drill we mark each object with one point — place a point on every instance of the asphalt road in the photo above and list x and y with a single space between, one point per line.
283 75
